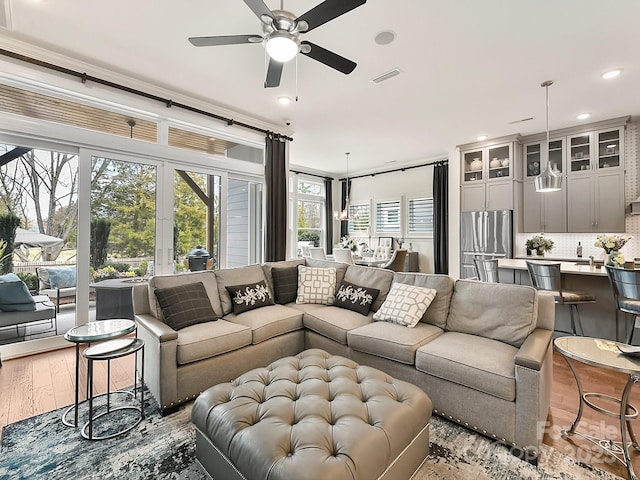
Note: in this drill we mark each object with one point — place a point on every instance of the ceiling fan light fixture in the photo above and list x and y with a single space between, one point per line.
282 46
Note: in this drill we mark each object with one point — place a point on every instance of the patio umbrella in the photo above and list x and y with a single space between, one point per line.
35 239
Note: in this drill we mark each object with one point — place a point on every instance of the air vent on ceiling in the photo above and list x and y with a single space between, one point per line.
386 76
5 14
521 120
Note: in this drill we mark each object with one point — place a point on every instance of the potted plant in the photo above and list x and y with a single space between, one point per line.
538 244
611 244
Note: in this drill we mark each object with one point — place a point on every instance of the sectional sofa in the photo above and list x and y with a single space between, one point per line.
482 352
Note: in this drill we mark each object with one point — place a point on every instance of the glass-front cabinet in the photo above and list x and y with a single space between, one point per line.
534 157
492 163
599 150
608 148
579 152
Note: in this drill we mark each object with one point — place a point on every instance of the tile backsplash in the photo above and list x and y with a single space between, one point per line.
565 243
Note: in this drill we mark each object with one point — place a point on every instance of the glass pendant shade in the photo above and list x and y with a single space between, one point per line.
282 47
343 215
549 180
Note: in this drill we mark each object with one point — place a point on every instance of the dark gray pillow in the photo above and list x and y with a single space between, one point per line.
285 284
249 296
185 305
355 297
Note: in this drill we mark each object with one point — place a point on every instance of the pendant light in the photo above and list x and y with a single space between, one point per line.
549 180
343 215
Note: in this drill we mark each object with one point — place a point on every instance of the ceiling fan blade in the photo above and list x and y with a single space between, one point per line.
224 40
260 9
329 58
326 11
274 72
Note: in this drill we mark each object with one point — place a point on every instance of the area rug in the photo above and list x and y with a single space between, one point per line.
42 447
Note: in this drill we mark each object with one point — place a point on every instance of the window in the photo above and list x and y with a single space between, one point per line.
359 215
310 214
419 216
388 216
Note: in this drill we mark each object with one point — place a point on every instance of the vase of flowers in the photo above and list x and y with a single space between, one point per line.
611 244
539 244
348 242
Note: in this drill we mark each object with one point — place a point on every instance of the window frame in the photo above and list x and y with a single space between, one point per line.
400 223
416 234
359 233
296 197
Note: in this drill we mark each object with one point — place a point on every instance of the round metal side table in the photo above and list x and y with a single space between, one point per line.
604 354
90 333
108 351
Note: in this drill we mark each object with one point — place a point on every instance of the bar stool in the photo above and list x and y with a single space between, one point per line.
486 269
625 285
108 351
546 277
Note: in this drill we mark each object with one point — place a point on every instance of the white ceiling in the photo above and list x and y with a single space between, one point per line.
468 67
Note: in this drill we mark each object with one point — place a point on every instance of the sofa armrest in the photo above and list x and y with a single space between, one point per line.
533 350
157 328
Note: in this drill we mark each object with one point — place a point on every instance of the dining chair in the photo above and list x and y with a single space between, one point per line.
486 269
546 277
625 285
343 255
382 253
396 262
317 252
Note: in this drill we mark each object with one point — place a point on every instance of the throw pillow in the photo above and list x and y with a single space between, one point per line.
405 304
62 277
356 298
316 285
250 296
185 305
14 294
285 284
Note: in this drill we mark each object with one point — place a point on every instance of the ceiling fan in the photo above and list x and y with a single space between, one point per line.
281 36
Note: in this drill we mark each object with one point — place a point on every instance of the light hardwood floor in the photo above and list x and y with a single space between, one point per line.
41 383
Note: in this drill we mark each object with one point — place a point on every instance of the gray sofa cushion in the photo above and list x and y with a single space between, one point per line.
499 311
236 276
185 305
268 322
437 312
377 278
285 284
334 322
480 363
207 277
391 341
207 340
341 268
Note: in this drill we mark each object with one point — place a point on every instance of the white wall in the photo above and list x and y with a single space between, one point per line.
387 186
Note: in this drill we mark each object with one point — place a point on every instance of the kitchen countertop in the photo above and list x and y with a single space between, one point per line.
565 267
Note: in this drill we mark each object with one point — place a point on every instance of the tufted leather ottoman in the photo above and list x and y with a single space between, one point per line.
314 416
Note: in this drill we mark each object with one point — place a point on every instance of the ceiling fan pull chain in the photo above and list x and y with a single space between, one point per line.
296 78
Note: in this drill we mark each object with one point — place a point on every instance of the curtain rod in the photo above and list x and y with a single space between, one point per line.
168 102
312 174
399 169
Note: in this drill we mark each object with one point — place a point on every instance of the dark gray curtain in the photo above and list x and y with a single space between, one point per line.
328 212
344 226
441 217
276 197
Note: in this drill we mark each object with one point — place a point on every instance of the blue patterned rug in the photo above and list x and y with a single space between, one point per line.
42 448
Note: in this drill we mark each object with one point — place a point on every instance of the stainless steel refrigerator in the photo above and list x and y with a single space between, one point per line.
486 234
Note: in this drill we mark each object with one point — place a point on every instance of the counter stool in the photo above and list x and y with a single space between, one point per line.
546 277
108 351
486 269
625 285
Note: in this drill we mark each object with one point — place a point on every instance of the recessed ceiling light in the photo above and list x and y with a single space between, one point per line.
482 137
612 74
284 100
583 116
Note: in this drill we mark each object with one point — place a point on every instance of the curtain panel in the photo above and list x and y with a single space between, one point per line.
328 213
441 217
276 179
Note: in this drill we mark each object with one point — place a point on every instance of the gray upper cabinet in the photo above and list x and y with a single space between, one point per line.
544 212
488 171
596 203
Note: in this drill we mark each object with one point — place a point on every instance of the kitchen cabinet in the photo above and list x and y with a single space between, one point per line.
596 151
544 212
595 203
488 172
